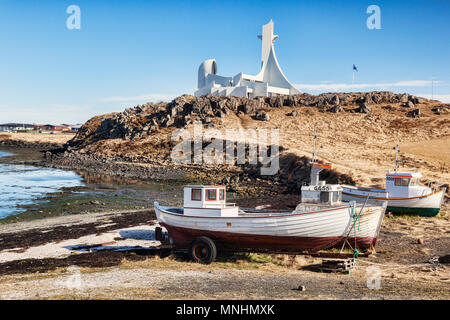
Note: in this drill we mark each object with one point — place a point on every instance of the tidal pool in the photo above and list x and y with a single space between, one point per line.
23 185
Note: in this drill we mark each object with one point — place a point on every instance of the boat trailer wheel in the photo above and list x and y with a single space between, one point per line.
203 250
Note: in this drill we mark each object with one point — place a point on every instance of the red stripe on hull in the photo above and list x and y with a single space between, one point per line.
183 237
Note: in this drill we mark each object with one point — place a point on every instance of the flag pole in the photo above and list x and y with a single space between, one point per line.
353 80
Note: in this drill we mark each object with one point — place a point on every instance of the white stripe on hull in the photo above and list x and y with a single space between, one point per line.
432 201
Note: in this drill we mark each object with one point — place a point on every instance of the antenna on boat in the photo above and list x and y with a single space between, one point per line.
396 161
314 146
396 148
314 153
316 168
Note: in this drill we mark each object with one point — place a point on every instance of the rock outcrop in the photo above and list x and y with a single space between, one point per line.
143 120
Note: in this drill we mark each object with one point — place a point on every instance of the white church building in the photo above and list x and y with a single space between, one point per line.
270 81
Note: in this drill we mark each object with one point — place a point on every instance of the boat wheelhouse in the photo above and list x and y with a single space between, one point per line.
207 201
319 191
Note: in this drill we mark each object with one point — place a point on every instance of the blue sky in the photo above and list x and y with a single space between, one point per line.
130 52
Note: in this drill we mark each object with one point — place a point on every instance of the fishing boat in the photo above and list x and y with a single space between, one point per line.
403 193
207 223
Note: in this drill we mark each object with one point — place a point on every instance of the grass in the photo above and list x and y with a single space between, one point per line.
239 261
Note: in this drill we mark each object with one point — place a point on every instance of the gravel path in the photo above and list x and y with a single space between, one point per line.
155 282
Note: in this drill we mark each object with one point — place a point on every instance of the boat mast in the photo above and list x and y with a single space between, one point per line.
315 170
396 161
313 160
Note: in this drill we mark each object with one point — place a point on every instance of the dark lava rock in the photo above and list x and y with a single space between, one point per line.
445 259
409 104
336 109
335 100
262 115
276 102
363 108
414 113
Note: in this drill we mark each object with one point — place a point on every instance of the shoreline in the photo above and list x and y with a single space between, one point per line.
94 197
55 155
45 249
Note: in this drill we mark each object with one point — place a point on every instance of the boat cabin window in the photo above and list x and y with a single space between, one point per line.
222 194
196 194
337 196
414 182
211 194
324 196
401 182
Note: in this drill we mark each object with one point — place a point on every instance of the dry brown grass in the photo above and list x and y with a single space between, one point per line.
59 138
4 136
436 150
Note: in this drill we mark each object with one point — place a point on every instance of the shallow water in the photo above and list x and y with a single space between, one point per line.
30 192
22 185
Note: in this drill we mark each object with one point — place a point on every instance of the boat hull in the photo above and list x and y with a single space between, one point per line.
311 231
427 205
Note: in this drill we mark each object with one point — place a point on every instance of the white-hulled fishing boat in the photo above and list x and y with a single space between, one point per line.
321 221
403 193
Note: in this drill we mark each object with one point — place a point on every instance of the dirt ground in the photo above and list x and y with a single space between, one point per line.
437 150
110 256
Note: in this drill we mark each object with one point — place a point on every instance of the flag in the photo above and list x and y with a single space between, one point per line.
354 68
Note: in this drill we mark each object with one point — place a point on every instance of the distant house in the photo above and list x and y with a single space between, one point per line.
44 127
60 128
16 127
51 127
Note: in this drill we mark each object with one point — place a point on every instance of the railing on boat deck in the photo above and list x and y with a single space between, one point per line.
221 205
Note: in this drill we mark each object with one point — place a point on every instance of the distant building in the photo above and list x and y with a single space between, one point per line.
16 127
75 127
38 127
268 82
51 127
60 128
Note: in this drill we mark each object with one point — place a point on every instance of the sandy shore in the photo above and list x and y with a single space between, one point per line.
45 268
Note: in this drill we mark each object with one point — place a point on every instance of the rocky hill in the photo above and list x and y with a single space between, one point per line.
147 119
358 131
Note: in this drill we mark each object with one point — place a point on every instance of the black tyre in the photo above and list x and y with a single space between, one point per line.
203 250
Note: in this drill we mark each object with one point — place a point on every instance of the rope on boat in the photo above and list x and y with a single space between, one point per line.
355 218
